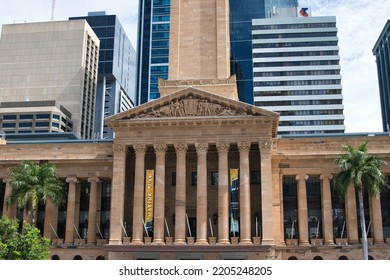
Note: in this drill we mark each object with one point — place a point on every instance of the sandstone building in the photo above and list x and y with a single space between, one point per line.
187 144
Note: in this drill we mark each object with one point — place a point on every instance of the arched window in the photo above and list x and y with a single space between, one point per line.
100 257
370 257
343 258
77 257
292 258
317 258
55 257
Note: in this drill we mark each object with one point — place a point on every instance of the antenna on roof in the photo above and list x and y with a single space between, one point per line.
53 6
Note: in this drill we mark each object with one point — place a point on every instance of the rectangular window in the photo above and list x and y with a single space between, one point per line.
194 178
214 178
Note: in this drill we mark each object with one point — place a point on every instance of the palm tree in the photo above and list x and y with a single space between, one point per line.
364 171
33 184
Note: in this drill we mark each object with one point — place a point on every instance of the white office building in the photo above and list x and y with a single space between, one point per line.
296 73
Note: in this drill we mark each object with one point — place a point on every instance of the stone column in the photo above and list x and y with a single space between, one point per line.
118 194
159 195
180 202
138 205
302 210
266 193
71 210
245 194
326 203
223 193
8 211
376 220
351 216
51 220
92 211
201 194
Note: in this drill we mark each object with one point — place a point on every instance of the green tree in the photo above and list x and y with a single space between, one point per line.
364 172
33 184
25 245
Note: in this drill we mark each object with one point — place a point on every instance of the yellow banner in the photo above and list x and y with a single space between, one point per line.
149 199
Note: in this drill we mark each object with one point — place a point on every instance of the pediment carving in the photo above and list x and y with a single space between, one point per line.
191 107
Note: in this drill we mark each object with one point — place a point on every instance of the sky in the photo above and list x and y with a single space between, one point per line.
359 24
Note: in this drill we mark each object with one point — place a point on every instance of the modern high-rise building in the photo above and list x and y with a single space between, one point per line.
381 51
153 43
297 73
117 67
48 76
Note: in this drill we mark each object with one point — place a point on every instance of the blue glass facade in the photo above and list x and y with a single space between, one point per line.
116 89
153 43
153 47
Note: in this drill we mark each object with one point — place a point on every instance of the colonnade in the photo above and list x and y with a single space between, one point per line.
117 210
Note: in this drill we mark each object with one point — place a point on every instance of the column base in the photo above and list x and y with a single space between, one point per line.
223 242
268 241
304 243
137 242
245 242
157 242
201 242
180 242
329 242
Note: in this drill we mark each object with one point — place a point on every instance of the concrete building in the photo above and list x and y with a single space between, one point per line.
116 73
174 159
381 51
297 73
48 75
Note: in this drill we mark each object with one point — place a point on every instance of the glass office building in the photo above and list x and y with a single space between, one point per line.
116 72
381 51
153 43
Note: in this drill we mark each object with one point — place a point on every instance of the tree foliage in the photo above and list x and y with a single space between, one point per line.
27 244
33 184
364 172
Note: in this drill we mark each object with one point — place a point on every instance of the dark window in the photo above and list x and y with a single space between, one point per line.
214 178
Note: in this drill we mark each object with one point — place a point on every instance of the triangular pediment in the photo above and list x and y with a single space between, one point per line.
193 103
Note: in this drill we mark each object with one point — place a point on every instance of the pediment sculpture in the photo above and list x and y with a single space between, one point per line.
189 107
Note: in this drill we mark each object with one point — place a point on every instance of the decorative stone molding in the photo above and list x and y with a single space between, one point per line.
139 148
72 180
181 147
119 148
326 176
93 180
244 146
223 147
160 148
201 147
175 83
191 106
265 145
301 177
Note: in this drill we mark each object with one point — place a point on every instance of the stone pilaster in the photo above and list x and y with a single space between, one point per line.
201 194
376 220
180 202
138 205
118 194
159 195
302 210
351 216
92 212
326 203
51 219
245 201
266 192
71 210
223 193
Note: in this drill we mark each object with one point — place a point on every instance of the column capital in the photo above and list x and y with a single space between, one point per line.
72 180
139 148
119 148
6 180
93 180
223 147
181 147
244 146
301 177
325 176
201 147
160 148
265 146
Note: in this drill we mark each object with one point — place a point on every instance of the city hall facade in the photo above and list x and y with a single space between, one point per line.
197 174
